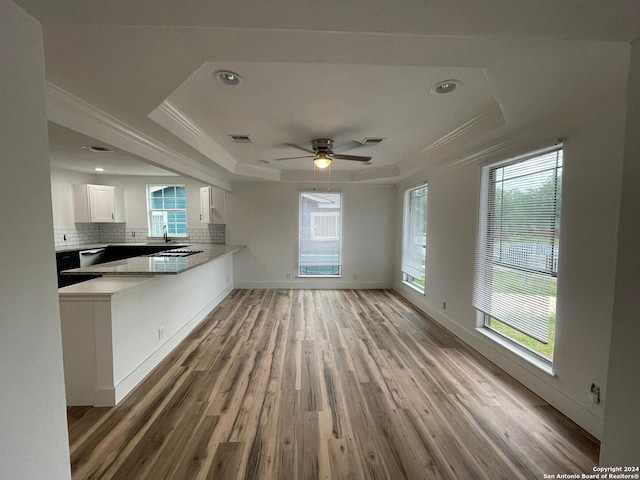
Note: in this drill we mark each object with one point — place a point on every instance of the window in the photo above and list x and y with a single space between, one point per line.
517 254
414 237
167 210
320 234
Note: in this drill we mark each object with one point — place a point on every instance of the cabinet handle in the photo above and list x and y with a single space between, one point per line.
200 216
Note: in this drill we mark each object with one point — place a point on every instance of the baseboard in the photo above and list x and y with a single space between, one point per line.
525 373
136 376
316 283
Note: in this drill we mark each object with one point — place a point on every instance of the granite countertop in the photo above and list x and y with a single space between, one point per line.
158 265
86 246
91 246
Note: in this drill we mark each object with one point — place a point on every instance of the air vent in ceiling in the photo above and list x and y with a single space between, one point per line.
96 149
372 140
240 138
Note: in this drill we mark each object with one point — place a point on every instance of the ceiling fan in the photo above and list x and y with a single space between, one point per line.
323 152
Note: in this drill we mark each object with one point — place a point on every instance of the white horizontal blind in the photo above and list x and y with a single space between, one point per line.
320 234
414 245
517 254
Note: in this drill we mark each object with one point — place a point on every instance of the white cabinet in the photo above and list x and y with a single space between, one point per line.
98 204
212 205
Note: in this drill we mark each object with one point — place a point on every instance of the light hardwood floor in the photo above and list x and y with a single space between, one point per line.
340 384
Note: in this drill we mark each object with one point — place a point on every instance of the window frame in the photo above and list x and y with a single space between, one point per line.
407 278
165 211
485 226
322 239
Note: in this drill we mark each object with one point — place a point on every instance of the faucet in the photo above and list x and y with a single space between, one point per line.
165 235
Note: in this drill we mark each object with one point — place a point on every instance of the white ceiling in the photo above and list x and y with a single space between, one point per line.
66 152
346 70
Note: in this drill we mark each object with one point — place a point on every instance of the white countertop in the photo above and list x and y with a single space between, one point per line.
103 286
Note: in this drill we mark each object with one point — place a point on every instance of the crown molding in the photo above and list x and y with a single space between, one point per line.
178 123
375 173
324 176
260 172
489 119
71 112
448 146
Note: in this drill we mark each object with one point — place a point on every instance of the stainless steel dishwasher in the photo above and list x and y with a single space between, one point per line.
91 257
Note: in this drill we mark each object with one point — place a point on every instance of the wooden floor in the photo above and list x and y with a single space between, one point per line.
348 384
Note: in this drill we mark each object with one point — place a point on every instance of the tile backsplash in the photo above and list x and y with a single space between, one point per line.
123 233
80 235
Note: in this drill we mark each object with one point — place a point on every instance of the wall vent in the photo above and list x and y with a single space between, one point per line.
240 138
372 140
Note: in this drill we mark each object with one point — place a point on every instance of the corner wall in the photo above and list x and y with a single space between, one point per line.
33 432
593 155
621 440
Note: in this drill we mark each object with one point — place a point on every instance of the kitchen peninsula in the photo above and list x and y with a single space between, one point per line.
117 328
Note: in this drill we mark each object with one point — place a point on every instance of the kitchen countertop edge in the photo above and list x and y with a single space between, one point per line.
142 266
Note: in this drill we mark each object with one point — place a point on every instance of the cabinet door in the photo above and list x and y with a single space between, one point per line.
205 204
101 203
218 206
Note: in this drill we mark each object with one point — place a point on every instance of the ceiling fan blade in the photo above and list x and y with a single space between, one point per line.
294 158
350 145
357 158
308 150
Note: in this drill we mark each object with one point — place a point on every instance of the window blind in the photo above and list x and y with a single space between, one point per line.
517 253
415 233
320 234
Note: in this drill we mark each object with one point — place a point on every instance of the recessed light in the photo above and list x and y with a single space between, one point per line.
99 169
228 77
265 162
96 148
446 86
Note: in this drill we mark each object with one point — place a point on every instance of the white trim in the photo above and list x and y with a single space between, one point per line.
74 113
316 282
413 287
177 122
528 356
375 173
128 383
489 119
264 173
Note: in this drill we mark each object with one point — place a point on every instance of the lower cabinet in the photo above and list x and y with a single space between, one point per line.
116 329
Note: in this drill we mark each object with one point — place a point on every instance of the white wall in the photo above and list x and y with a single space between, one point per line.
621 439
591 189
264 216
33 430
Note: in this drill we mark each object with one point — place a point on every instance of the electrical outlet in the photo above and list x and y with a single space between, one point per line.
444 305
160 333
594 390
227 278
288 276
355 276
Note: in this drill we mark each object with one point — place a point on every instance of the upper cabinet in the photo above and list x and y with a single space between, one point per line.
212 205
98 204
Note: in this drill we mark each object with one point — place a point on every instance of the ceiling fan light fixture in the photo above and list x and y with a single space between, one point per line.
322 161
